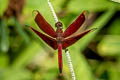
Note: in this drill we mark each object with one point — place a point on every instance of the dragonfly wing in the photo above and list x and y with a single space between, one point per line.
44 25
50 41
68 42
75 25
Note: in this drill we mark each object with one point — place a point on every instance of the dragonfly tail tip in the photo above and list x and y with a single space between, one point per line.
60 74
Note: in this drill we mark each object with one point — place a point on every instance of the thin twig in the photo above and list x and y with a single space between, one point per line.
53 12
70 64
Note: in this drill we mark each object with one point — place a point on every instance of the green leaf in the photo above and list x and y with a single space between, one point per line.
113 70
109 45
4 44
116 1
3 6
114 28
3 61
77 6
26 55
16 74
21 31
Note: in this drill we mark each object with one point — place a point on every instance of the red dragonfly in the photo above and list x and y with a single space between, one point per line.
59 39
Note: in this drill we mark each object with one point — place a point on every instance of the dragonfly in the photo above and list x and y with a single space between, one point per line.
59 39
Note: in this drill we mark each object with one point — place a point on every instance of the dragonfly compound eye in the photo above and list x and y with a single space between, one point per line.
58 24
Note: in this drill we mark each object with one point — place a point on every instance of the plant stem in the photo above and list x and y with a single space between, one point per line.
53 12
70 64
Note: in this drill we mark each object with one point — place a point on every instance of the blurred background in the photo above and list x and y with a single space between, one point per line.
24 56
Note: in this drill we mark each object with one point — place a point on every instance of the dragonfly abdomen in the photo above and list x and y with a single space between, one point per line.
60 57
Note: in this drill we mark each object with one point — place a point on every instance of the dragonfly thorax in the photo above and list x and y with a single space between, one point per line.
59 37
59 32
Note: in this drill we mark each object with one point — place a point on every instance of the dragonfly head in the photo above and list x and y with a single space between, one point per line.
59 25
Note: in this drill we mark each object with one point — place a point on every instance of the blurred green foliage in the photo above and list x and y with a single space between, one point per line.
116 1
24 56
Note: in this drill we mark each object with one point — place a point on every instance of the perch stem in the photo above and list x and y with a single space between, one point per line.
53 12
70 64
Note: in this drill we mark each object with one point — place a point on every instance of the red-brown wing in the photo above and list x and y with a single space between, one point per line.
50 41
75 25
68 42
44 25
